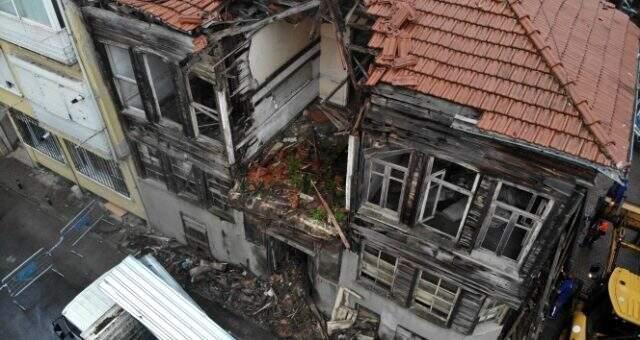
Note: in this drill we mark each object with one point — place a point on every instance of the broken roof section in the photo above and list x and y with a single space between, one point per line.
182 15
556 73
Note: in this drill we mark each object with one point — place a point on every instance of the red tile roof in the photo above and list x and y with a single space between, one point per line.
182 15
555 73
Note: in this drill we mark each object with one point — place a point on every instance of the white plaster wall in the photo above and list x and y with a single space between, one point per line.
275 44
51 96
226 240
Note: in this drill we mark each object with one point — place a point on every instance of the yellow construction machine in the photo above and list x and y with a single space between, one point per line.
612 307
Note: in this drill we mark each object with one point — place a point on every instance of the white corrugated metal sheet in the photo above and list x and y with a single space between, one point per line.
88 306
158 306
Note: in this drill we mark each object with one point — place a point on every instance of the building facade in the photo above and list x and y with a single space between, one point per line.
58 107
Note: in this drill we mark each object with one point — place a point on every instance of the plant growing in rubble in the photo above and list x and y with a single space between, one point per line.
318 214
340 215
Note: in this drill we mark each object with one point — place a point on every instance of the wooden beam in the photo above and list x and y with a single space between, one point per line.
339 26
215 37
332 218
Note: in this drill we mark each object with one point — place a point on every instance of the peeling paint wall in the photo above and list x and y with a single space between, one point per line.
226 240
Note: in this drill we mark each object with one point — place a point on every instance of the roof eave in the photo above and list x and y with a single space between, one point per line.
613 173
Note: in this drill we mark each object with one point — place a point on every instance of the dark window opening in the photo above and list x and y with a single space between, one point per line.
163 88
205 108
184 178
151 163
378 267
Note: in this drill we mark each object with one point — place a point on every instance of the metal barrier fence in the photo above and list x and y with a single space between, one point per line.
28 272
41 261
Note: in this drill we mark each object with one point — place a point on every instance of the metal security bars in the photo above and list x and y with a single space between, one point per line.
103 171
37 137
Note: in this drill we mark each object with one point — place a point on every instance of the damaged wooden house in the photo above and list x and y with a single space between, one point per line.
209 89
489 125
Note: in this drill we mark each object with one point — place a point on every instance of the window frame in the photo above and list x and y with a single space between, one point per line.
195 106
429 312
368 280
195 224
115 78
429 178
50 10
388 166
493 310
148 77
539 221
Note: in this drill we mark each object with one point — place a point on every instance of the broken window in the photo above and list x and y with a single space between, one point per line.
388 174
124 78
163 88
37 137
184 178
42 12
492 310
195 233
151 163
447 197
103 171
378 267
216 193
514 217
204 107
435 296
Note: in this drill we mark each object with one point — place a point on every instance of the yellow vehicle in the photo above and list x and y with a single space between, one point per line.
612 310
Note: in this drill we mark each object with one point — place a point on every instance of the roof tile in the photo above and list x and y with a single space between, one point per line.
565 84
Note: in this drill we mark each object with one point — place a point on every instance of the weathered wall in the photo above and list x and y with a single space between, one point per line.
227 241
392 314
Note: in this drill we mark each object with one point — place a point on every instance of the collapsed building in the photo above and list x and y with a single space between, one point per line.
428 162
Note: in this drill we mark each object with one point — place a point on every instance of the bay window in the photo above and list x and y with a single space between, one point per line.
515 217
447 197
43 12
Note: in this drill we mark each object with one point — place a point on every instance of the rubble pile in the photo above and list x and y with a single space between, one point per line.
309 154
277 303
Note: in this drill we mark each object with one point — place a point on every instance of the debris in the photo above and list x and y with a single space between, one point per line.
117 213
276 302
205 267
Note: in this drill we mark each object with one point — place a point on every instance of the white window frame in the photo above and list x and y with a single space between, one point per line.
49 9
12 79
375 281
116 77
433 178
386 178
532 233
435 296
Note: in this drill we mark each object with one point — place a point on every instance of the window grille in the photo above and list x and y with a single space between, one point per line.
103 171
37 137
